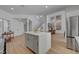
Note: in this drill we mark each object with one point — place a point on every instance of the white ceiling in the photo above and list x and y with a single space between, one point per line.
32 9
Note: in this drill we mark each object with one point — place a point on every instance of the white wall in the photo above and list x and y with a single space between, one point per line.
17 27
5 26
36 20
33 18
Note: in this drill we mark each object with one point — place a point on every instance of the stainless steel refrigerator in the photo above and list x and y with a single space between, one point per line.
72 31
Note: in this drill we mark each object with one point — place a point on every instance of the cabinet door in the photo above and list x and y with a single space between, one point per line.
35 44
30 41
27 39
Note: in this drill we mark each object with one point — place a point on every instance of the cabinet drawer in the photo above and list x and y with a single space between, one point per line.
35 44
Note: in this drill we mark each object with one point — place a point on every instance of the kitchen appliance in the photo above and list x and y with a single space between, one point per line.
72 31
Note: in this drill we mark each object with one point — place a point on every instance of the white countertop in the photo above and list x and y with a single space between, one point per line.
38 33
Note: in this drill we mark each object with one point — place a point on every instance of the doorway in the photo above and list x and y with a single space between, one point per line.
58 42
58 36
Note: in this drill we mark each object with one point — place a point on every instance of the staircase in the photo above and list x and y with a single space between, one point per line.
39 26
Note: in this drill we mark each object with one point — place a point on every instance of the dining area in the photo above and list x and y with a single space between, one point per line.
5 37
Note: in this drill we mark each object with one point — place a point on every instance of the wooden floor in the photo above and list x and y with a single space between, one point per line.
17 46
58 43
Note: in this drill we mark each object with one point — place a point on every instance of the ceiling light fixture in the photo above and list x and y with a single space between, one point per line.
41 16
37 16
12 8
46 6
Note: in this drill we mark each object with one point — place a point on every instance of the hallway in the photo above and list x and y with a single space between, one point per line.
17 46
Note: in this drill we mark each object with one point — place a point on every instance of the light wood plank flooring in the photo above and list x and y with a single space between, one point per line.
17 46
58 44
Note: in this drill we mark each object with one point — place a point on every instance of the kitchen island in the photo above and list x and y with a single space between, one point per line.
38 42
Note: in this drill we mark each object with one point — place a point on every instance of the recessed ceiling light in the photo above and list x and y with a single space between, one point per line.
12 8
41 16
37 16
0 19
46 6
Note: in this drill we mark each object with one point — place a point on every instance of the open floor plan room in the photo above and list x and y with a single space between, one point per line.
17 46
39 29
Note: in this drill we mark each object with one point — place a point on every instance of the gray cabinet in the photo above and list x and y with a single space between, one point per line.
35 44
38 42
32 42
27 41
